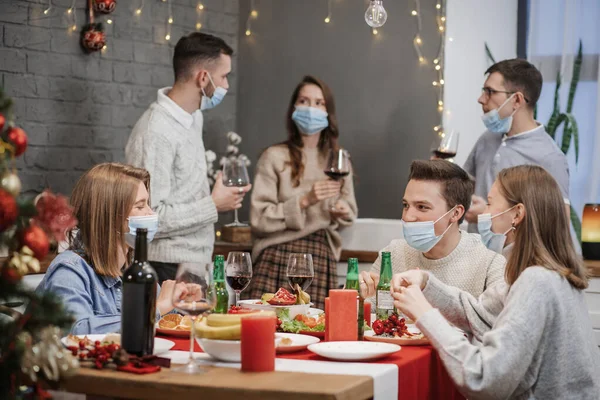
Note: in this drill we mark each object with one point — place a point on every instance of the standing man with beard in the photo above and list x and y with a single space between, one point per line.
513 137
167 141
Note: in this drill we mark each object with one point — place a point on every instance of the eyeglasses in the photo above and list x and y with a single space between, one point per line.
489 92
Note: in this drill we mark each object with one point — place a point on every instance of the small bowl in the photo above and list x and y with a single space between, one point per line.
223 350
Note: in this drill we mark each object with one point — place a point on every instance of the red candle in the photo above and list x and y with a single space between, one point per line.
343 318
368 312
258 343
326 319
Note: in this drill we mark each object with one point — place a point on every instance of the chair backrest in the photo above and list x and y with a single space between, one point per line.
371 234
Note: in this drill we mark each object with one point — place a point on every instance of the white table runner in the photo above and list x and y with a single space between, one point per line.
385 376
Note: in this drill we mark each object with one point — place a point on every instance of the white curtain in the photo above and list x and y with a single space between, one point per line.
555 28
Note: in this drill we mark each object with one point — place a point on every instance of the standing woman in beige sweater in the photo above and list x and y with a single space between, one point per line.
292 198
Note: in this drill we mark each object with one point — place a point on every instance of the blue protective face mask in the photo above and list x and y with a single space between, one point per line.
310 120
491 240
150 222
211 102
421 235
494 123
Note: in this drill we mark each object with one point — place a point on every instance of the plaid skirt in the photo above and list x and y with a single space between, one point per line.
269 272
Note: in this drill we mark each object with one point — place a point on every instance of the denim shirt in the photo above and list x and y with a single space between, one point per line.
94 300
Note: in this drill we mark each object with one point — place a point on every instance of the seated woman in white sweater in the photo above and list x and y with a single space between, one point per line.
435 201
532 336
295 208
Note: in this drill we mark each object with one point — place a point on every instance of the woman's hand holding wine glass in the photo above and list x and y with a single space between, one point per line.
321 190
340 210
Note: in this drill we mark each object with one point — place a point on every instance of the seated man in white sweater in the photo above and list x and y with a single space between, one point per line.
435 201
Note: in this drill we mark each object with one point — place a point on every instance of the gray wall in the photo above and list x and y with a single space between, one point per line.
385 102
78 109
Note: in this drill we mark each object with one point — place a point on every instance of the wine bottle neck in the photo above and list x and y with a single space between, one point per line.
141 245
386 268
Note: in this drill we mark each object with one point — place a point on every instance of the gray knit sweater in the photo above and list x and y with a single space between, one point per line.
167 141
532 341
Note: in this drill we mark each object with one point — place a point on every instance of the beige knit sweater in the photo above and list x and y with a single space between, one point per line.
275 213
471 266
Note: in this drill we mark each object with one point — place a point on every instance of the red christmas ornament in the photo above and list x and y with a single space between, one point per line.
10 275
35 238
8 210
2 122
18 138
92 37
105 6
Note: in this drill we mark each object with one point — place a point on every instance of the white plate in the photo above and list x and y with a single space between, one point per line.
294 309
299 342
160 345
403 341
353 351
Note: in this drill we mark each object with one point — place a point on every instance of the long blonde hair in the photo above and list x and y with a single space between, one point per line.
102 200
543 237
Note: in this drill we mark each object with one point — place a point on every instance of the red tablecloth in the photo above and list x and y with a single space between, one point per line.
421 374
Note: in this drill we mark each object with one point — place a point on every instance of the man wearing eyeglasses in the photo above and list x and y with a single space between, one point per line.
513 137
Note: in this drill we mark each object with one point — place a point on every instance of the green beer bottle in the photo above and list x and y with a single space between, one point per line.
352 283
384 300
219 277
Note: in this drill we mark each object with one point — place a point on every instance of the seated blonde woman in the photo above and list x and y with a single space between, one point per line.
532 335
87 276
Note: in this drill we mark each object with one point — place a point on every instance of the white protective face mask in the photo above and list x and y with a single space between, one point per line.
421 235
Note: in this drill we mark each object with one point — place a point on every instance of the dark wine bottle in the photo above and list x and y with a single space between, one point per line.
138 311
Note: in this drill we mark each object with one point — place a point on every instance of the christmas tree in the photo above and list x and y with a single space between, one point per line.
30 347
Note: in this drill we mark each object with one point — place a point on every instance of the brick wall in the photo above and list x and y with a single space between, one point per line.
78 109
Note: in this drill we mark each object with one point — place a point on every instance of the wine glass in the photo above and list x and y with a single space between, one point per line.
338 167
446 145
194 295
238 272
235 174
300 272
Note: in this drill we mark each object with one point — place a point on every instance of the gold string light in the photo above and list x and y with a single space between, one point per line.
438 61
199 9
169 20
252 14
328 17
72 17
47 10
138 11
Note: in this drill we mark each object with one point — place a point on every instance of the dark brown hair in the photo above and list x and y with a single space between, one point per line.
329 135
102 200
520 76
195 48
457 186
543 237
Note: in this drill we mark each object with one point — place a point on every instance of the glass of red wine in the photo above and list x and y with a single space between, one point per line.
300 271
338 167
446 145
194 295
235 174
238 272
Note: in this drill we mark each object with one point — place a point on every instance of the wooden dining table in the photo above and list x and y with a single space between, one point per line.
421 376
221 384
